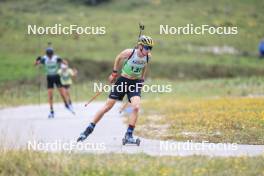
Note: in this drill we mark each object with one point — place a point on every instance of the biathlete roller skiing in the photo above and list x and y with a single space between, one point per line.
52 63
130 82
66 74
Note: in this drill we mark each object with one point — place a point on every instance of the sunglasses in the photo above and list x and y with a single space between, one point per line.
147 47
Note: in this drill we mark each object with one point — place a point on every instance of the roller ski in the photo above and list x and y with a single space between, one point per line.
70 108
86 133
51 114
128 139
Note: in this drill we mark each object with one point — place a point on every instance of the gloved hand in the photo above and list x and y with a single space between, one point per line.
37 60
112 77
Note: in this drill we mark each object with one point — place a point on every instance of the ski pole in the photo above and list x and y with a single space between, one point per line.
141 29
93 98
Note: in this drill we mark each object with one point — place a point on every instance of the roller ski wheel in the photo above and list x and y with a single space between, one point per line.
130 140
124 141
138 141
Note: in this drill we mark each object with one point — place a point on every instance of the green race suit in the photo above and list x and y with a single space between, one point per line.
51 64
65 76
134 65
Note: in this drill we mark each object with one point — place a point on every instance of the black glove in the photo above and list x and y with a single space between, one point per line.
38 58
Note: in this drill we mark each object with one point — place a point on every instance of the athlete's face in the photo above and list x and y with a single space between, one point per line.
145 49
49 53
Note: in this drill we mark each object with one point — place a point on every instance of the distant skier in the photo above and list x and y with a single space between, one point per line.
52 63
261 49
66 75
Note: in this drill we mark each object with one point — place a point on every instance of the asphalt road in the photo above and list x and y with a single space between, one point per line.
28 127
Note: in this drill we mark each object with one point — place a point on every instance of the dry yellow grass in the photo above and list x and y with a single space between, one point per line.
238 120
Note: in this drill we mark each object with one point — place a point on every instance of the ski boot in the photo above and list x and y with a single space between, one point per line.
51 114
129 139
85 134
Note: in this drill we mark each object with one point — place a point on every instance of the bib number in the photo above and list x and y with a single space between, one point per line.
136 70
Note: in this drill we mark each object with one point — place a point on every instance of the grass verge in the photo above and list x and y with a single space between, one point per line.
38 164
